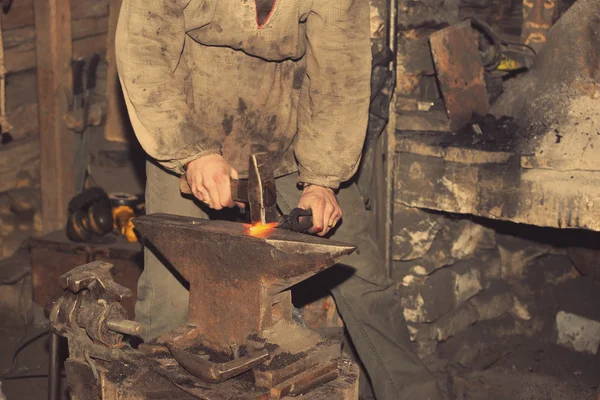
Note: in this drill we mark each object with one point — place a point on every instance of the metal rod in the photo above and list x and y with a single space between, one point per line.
53 368
390 134
125 326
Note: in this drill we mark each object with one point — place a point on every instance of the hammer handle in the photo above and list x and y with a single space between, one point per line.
239 188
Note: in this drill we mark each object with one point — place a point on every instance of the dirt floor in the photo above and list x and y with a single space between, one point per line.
29 378
519 369
524 369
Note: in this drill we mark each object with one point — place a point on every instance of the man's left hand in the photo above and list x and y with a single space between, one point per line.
326 211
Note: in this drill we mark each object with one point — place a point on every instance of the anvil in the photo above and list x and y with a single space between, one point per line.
237 280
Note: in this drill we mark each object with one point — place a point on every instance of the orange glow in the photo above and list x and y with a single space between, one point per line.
261 230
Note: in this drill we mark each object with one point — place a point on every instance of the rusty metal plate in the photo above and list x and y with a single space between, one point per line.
460 72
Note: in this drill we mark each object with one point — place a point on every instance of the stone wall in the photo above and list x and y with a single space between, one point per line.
465 283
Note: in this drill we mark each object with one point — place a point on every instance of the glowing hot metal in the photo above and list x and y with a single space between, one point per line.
260 230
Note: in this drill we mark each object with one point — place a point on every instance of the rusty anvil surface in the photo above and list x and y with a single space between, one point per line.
240 341
240 313
236 280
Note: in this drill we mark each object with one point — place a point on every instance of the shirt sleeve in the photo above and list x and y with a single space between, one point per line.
149 45
334 103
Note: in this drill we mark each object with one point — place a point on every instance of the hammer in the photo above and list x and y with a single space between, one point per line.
259 192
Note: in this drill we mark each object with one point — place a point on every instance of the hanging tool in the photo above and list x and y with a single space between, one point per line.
6 5
82 99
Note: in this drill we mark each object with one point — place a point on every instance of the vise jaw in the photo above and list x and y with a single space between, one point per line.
91 306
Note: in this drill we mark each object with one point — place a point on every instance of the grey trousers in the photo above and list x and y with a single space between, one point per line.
366 301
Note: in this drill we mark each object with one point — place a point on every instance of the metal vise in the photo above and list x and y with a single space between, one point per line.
91 302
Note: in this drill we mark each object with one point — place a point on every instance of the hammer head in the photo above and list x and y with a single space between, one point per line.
262 194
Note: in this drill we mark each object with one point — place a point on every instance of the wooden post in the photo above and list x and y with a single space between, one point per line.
57 143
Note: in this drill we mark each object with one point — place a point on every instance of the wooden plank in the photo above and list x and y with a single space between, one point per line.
547 198
432 146
19 61
20 155
24 120
22 105
20 55
82 9
90 45
19 49
20 15
21 90
83 28
19 39
57 143
116 114
459 71
423 121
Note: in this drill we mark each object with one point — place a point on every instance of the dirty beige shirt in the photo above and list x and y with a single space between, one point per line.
215 76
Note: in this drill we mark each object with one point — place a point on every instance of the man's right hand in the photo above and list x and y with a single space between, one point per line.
209 178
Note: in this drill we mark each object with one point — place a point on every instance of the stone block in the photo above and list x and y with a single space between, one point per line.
466 284
430 300
467 278
520 310
413 331
468 352
585 260
491 305
549 269
415 231
438 248
491 265
425 348
455 322
472 237
427 300
578 333
516 254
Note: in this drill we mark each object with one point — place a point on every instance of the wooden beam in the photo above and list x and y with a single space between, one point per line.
57 143
490 185
20 51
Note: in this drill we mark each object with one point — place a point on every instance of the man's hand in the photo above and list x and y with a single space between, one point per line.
326 211
209 178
